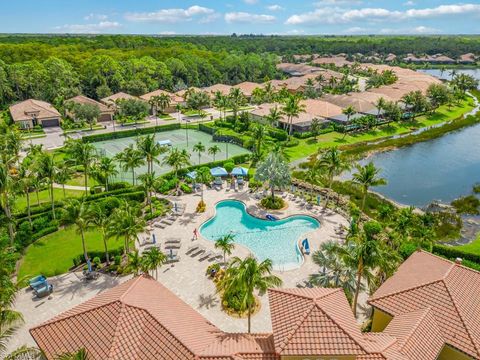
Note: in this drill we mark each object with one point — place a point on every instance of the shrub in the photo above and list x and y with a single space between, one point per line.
43 232
134 196
117 260
79 259
185 188
96 261
278 134
119 185
467 205
201 207
452 252
229 166
292 142
274 203
406 249
109 204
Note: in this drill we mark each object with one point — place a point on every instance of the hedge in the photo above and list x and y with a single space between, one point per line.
278 134
206 129
453 252
43 232
80 259
129 133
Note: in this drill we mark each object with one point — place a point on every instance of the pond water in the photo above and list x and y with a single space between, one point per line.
441 169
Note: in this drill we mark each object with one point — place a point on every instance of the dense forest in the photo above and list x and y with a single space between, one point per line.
56 67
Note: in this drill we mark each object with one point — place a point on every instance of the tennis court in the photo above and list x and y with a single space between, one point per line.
178 139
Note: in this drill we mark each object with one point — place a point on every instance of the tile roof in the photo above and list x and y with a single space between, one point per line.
321 108
247 87
224 89
314 322
174 97
448 289
110 100
80 99
24 110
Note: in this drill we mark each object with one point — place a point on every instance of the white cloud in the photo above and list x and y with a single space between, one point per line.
93 16
100 27
248 18
250 2
167 32
409 3
275 7
336 15
171 15
336 2
416 30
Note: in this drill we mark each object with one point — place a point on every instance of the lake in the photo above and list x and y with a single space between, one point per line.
441 169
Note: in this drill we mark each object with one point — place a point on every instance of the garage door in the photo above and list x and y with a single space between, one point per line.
50 123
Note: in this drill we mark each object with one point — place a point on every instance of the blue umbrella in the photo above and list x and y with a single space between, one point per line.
154 240
218 171
89 265
318 199
192 175
240 171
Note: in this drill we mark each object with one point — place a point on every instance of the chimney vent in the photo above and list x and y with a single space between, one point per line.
458 261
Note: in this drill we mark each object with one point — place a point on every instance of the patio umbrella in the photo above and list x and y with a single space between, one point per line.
218 171
154 240
171 254
89 265
240 171
192 175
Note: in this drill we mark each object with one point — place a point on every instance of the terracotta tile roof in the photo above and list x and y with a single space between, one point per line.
344 101
181 93
110 100
130 319
448 289
314 322
243 346
321 108
174 97
336 60
224 89
247 87
24 110
80 99
297 69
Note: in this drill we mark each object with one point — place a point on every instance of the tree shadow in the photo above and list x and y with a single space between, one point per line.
208 301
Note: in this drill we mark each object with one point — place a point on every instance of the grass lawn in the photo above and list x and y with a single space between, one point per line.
44 197
309 146
78 180
53 254
165 117
473 247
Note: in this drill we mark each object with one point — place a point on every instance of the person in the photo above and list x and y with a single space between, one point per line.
195 234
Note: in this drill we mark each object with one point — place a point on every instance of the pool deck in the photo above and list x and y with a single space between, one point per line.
185 278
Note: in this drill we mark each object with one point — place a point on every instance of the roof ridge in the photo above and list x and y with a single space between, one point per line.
467 329
134 283
116 333
39 104
285 291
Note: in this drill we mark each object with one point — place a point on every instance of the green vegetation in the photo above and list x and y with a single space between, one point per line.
44 197
469 204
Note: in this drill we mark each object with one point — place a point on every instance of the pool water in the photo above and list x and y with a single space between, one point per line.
274 240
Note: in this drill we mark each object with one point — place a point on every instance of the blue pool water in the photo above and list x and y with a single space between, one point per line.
274 240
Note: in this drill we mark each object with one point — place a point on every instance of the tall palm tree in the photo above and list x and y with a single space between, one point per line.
76 212
150 149
48 170
292 109
24 184
274 116
148 181
366 177
223 103
225 243
101 219
203 177
164 101
214 150
135 262
248 276
64 174
177 159
349 111
154 103
152 259
268 92
380 105
275 170
200 148
130 159
105 168
84 154
333 163
236 100
258 136
127 222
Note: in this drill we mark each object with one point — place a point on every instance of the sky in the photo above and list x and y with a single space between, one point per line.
211 17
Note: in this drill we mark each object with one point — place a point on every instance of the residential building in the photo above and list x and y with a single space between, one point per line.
213 89
428 310
106 112
31 112
113 100
248 87
174 99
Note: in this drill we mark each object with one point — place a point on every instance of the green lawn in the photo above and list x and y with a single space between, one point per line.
310 146
78 180
53 254
473 247
44 197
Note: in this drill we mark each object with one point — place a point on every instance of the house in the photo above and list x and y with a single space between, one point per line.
181 93
222 88
391 57
31 112
320 108
428 310
174 99
106 112
339 60
467 59
248 87
436 298
297 69
112 100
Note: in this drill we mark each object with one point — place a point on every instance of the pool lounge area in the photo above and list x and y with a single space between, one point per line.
276 240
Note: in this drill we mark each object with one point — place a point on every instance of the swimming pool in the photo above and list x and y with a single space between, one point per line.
274 240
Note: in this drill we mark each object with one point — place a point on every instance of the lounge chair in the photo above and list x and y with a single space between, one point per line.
240 180
218 181
173 241
172 246
159 225
206 256
37 281
172 259
45 290
192 248
198 251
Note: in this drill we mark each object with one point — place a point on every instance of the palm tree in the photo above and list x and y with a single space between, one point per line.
101 219
148 181
366 177
84 154
274 116
150 150
214 150
177 159
349 112
64 174
130 159
24 184
236 100
223 103
127 222
203 177
333 163
225 243
258 136
155 104
275 170
247 276
200 148
152 259
105 168
48 170
164 101
77 212
292 109
78 355
134 262
380 105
